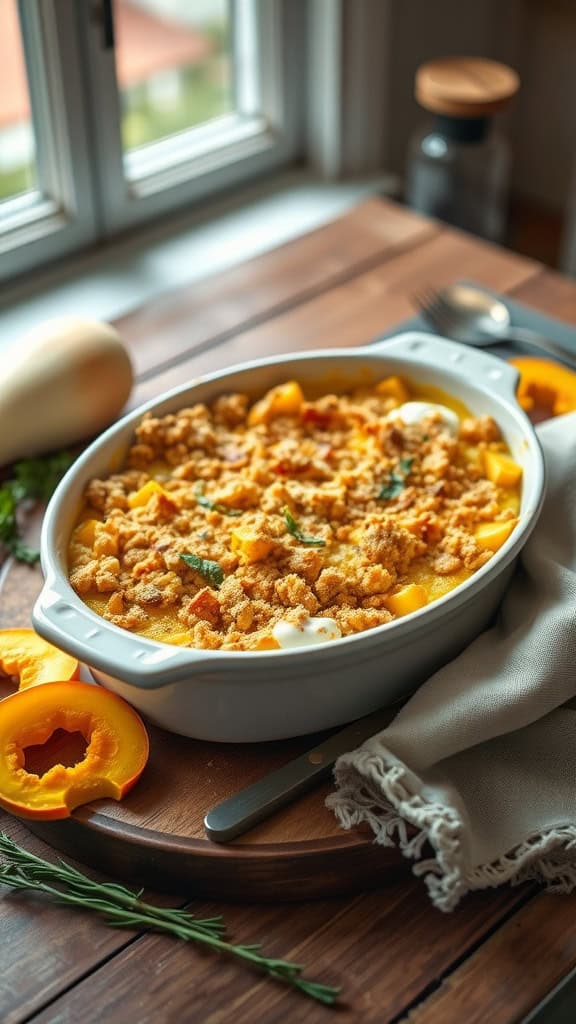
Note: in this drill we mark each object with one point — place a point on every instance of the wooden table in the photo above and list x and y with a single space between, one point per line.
502 951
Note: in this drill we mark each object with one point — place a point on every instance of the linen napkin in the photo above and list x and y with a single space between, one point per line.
481 761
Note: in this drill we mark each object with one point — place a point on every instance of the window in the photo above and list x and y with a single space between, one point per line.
18 171
174 65
46 205
113 112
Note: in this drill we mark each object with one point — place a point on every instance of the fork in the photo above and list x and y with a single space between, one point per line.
474 317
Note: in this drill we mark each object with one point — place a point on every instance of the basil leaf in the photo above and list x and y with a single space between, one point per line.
294 529
211 571
393 487
214 506
395 483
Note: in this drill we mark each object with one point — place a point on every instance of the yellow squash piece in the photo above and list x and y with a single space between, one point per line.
501 469
394 387
492 535
146 493
284 400
33 660
116 752
409 599
249 546
85 533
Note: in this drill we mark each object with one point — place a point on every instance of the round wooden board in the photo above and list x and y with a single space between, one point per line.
155 837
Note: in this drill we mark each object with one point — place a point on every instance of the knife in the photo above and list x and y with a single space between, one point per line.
258 801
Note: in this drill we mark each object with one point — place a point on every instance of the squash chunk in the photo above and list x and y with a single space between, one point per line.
501 469
393 387
251 547
143 496
284 400
407 600
85 533
493 535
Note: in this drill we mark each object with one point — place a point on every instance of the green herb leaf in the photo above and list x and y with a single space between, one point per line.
211 571
120 907
392 488
294 529
214 506
37 478
396 481
33 479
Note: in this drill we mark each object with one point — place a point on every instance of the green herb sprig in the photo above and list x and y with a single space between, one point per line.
396 481
294 529
121 908
214 506
211 571
34 479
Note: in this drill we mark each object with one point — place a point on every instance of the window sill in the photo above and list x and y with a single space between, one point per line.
108 282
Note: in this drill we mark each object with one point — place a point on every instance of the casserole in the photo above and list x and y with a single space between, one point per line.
226 696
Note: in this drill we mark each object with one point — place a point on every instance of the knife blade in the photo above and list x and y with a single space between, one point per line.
240 812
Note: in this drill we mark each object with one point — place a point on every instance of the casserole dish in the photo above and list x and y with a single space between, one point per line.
228 696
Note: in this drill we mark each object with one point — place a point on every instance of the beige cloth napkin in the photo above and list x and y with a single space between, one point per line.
482 759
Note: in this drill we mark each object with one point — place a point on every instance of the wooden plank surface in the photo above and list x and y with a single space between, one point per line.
394 953
512 971
45 950
382 948
214 309
355 312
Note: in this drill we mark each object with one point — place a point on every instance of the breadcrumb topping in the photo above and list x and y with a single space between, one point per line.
285 509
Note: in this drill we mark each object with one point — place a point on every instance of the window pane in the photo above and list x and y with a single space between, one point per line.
17 147
174 66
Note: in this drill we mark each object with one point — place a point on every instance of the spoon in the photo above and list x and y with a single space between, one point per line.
474 317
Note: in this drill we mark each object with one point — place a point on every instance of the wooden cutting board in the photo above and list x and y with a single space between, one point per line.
155 837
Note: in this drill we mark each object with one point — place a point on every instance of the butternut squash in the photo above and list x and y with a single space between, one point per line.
64 382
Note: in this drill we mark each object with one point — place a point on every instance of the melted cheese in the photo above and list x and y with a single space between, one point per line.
312 631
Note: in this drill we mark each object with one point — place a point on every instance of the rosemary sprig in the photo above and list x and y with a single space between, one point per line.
294 529
214 506
24 872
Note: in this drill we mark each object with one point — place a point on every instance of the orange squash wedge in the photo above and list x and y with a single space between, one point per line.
116 752
33 660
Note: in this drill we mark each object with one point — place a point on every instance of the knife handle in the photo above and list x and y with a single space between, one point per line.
241 811
245 809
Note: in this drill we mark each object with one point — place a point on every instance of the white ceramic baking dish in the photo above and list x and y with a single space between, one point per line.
247 696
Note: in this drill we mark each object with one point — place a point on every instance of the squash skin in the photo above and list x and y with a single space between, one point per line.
116 754
25 654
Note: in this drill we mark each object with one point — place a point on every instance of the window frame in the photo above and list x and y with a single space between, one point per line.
325 67
60 216
225 152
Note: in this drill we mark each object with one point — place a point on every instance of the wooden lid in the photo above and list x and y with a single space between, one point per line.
465 86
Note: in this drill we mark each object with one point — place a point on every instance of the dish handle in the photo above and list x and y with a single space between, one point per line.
471 363
98 644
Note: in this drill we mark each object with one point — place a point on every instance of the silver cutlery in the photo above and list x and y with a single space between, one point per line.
253 804
474 317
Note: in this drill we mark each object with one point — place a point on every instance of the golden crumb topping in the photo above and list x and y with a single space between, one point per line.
234 517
